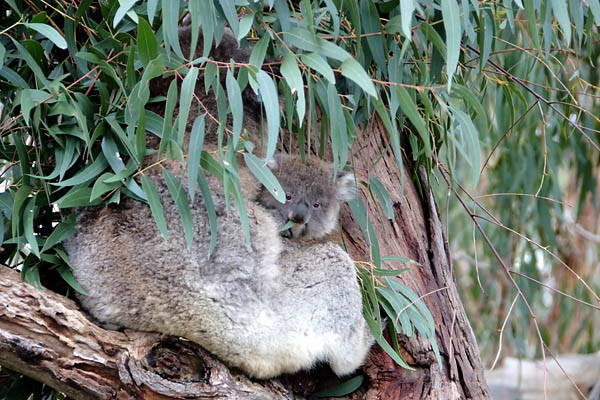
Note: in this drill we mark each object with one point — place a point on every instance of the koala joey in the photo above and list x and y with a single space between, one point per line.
312 198
274 305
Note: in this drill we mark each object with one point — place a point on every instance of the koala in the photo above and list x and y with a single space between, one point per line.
271 306
312 198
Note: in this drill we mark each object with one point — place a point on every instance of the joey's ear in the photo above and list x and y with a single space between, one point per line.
346 186
273 163
277 160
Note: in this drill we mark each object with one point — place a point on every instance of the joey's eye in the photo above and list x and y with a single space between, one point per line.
317 205
288 196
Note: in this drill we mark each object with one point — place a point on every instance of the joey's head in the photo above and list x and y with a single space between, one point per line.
313 196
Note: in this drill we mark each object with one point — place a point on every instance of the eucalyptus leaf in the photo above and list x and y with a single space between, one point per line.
559 7
353 70
124 7
287 226
170 25
77 197
245 26
319 64
400 259
234 95
28 218
50 33
185 100
230 12
452 26
293 77
146 42
265 176
155 205
471 138
67 275
342 389
181 200
167 128
409 108
86 174
62 231
195 147
259 51
210 210
270 100
100 187
383 197
407 8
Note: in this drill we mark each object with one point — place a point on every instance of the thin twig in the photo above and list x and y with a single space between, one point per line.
510 128
541 61
579 278
512 271
502 332
497 222
525 195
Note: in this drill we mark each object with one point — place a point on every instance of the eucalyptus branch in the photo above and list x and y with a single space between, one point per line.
538 96
13 120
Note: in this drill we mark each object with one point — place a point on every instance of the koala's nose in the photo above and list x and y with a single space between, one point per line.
300 213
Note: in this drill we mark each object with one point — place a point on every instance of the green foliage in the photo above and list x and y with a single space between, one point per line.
513 84
404 310
343 389
532 108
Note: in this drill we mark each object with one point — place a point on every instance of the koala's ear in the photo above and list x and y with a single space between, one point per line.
346 186
274 162
278 160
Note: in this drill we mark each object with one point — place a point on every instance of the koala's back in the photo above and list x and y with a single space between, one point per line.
136 279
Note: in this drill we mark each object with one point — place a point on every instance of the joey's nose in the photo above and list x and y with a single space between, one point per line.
300 213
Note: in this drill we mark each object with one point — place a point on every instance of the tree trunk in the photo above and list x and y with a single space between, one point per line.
46 337
416 232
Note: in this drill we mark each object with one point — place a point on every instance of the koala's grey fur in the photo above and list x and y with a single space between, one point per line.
269 307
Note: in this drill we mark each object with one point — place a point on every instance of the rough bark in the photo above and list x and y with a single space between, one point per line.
45 336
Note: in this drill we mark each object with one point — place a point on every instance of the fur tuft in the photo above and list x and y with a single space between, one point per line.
346 186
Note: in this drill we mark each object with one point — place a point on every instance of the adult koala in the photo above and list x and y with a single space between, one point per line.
268 307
